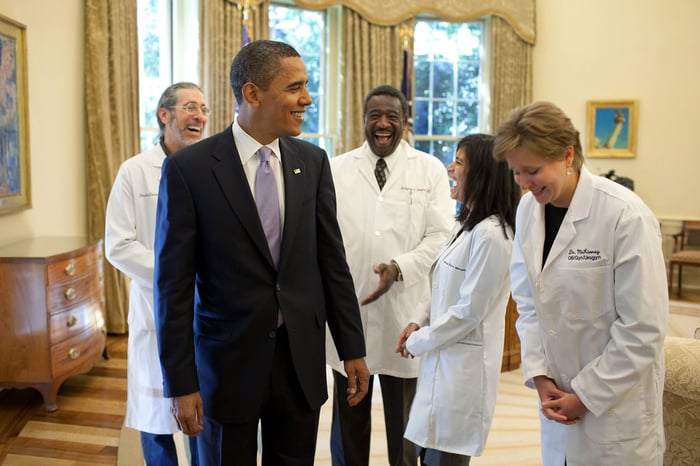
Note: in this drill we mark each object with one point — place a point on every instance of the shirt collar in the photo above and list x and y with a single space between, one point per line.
161 141
247 146
390 159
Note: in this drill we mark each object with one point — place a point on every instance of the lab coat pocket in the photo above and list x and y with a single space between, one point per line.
624 421
418 203
587 292
460 378
393 213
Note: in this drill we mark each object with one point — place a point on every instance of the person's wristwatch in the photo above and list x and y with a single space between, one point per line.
399 275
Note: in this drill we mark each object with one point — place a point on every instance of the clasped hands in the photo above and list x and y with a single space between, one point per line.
558 405
401 344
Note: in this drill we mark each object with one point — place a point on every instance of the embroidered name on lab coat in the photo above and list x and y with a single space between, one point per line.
453 266
584 255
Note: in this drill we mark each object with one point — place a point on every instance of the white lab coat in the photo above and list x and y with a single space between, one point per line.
408 221
594 320
462 345
129 235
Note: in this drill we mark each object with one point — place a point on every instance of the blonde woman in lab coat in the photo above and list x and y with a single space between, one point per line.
461 340
589 280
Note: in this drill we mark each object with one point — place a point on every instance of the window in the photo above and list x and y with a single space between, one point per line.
449 70
305 31
448 62
164 25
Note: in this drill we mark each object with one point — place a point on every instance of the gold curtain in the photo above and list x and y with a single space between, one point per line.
221 37
519 13
112 124
511 75
372 55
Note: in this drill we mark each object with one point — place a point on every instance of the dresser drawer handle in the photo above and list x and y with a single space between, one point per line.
74 353
72 320
70 269
70 294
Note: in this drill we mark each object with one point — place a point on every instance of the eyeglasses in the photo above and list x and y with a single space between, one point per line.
192 108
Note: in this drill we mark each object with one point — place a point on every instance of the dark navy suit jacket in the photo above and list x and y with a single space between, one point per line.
217 293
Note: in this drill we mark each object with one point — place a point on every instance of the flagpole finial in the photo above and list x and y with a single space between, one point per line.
245 6
406 34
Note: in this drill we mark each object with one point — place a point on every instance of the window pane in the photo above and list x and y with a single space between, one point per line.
422 78
443 149
468 80
443 76
304 30
467 118
469 41
448 61
155 67
443 114
311 119
420 117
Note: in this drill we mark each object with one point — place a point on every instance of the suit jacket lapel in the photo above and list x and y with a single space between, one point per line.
295 178
234 184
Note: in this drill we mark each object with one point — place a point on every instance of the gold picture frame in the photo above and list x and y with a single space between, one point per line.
15 192
612 128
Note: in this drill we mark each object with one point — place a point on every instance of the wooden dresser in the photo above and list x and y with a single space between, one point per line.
511 344
51 312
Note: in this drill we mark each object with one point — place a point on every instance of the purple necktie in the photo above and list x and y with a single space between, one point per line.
268 202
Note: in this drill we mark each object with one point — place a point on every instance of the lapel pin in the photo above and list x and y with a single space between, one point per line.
297 171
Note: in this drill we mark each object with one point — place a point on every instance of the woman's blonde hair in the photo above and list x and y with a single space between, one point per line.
542 128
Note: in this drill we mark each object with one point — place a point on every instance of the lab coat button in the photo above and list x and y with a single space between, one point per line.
377 233
552 333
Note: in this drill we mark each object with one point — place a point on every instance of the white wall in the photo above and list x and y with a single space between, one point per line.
56 120
586 50
631 49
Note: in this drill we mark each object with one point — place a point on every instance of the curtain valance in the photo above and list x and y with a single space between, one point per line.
520 14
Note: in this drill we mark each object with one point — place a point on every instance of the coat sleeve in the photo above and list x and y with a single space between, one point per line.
527 325
174 281
641 305
122 247
439 217
487 268
342 308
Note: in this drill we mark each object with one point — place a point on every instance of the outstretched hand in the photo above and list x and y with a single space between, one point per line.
387 276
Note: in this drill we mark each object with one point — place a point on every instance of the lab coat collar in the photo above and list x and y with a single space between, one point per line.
579 209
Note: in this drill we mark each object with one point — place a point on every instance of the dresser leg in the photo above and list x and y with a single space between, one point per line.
49 392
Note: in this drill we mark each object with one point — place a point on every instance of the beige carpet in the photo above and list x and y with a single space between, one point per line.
130 453
514 436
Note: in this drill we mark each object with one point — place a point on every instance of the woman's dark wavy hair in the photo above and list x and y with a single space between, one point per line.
490 188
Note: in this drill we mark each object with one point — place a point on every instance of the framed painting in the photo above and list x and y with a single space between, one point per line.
612 128
15 193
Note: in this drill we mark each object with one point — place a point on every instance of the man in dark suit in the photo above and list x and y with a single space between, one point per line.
241 327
